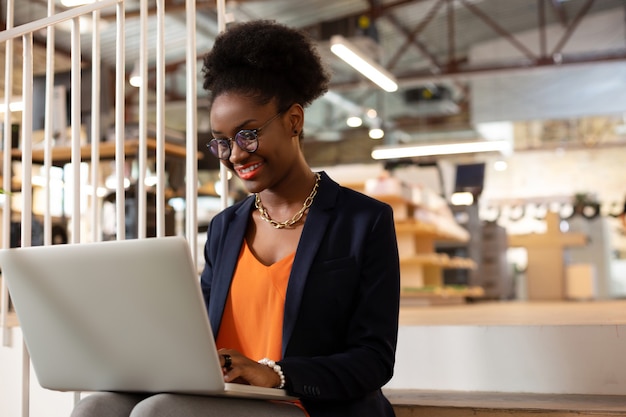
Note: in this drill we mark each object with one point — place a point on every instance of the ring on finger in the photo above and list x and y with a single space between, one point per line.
228 361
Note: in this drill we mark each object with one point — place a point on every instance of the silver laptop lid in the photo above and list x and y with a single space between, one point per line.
114 316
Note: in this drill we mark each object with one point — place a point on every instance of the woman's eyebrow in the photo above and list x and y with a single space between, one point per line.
237 128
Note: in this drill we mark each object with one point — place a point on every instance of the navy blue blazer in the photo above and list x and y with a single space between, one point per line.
341 310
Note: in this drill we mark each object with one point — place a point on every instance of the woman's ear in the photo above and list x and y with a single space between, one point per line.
296 118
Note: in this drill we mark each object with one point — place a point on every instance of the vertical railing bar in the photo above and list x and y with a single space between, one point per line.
47 163
95 126
76 122
120 127
191 192
7 170
221 26
25 381
27 187
160 119
27 136
143 116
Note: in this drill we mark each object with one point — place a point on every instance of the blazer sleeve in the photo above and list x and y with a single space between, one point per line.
344 342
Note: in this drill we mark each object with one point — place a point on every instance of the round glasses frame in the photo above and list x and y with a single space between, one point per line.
246 139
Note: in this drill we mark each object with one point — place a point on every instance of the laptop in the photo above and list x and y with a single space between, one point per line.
124 315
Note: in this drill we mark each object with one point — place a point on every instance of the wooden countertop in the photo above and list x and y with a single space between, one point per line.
609 312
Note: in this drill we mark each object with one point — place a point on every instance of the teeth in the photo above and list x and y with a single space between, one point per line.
249 169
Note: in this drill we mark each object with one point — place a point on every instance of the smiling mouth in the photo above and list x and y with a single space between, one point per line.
248 171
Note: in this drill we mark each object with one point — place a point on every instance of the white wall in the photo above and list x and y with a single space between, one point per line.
565 359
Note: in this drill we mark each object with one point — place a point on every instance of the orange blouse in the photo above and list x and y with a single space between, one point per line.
253 316
252 322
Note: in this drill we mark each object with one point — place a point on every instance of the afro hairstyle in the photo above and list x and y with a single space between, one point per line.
265 60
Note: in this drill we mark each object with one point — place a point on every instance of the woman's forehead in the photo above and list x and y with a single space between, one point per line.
234 110
237 101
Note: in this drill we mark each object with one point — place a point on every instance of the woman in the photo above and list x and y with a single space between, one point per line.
301 279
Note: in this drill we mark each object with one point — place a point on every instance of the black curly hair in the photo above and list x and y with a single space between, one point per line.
265 60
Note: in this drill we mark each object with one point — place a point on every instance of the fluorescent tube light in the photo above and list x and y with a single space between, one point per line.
409 151
462 199
347 51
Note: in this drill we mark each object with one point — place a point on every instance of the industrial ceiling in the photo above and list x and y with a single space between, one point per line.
436 49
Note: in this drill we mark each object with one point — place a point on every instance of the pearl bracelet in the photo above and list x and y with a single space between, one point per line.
276 367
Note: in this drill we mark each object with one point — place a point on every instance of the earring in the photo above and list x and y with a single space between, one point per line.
295 132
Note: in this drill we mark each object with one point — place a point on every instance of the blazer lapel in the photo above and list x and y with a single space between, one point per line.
233 240
312 235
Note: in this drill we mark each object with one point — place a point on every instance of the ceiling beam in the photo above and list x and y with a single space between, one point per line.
470 72
411 37
541 21
559 11
572 27
379 10
498 29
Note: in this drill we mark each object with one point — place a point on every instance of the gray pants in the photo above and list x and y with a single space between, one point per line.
173 405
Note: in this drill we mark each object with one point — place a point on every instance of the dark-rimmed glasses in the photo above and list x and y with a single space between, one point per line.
246 139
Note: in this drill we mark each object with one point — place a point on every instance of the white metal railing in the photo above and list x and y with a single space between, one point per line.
6 162
25 32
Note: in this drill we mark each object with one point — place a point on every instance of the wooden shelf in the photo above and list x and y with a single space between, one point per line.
63 154
412 226
421 267
429 230
439 295
16 185
441 260
392 199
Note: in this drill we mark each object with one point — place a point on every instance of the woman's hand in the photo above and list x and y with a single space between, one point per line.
243 370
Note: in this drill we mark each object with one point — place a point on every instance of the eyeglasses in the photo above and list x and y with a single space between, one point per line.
247 139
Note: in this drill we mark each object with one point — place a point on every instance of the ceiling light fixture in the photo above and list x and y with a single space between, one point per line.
412 151
376 133
500 165
463 198
354 121
135 76
347 51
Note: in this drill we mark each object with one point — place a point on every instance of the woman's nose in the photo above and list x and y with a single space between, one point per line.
237 154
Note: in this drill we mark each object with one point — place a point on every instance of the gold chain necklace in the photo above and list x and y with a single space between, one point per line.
296 218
